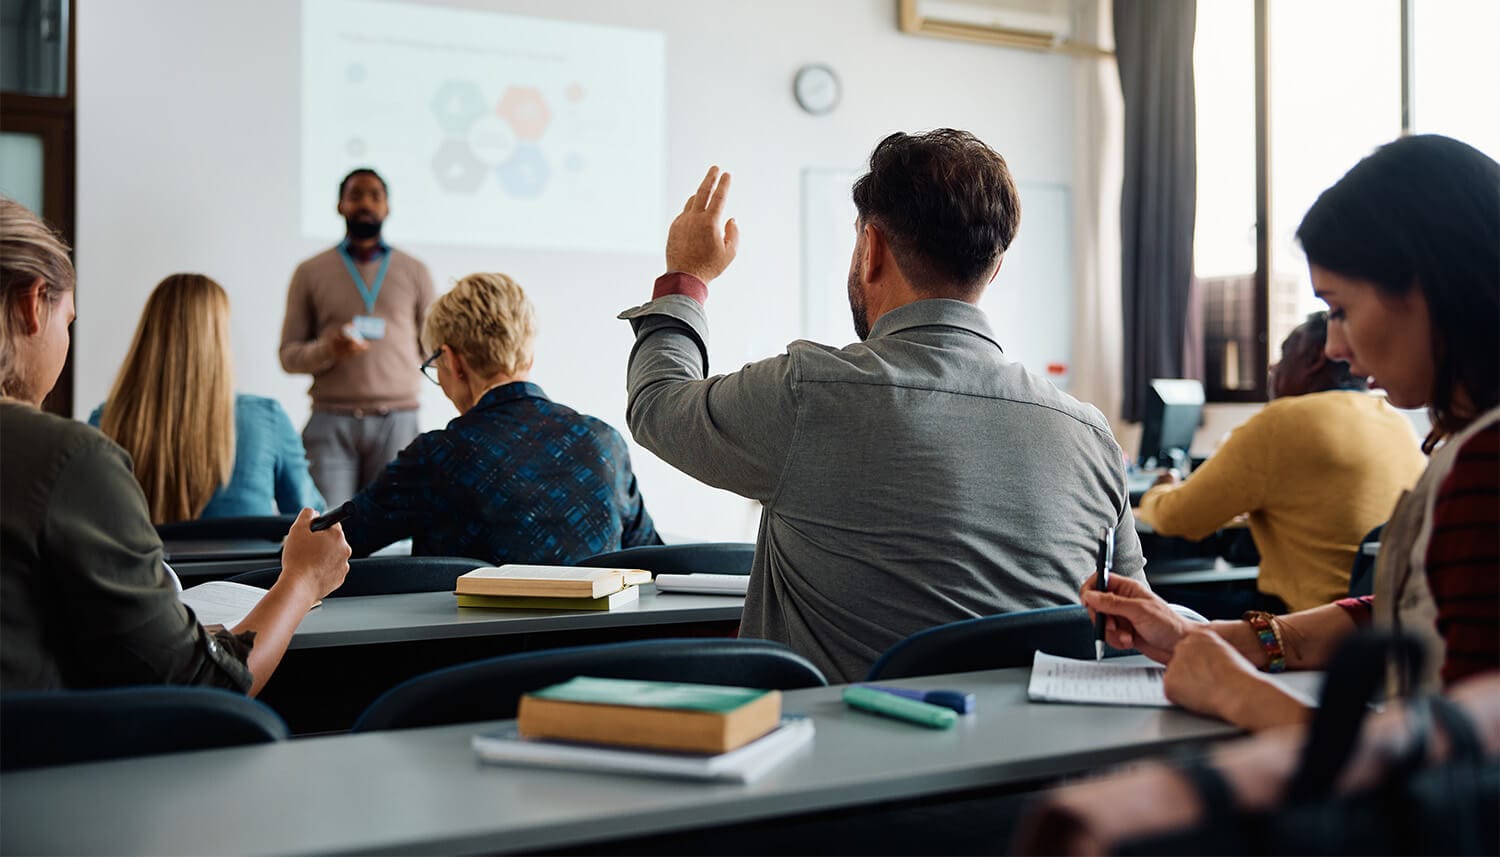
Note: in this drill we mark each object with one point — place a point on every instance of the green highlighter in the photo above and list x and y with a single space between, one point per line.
901 708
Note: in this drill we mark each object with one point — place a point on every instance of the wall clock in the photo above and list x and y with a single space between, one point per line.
816 88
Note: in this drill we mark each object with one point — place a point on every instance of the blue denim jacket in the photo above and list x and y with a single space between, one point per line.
270 467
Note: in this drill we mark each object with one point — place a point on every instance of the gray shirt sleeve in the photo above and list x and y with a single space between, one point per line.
730 431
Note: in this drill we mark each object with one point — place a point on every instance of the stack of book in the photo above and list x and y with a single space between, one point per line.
550 587
665 728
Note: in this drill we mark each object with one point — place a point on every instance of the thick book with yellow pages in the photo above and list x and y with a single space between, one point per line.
690 718
555 581
628 595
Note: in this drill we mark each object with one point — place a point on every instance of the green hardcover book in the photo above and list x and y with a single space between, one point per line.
628 595
693 718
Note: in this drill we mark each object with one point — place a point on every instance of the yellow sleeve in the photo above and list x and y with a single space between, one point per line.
1229 483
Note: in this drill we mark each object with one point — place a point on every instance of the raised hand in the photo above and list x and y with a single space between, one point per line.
697 244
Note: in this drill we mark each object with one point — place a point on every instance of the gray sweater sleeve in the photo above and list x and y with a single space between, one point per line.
730 431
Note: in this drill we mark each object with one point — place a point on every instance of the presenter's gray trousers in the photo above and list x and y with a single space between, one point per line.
347 451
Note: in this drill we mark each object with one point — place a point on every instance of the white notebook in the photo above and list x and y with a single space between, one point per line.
740 765
706 584
219 602
1055 679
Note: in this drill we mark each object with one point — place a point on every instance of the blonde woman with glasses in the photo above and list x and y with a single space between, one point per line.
200 451
84 599
516 477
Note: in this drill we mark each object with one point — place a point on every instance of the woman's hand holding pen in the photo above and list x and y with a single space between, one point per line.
316 561
1135 617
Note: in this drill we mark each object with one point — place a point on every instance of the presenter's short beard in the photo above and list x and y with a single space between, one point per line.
362 229
857 302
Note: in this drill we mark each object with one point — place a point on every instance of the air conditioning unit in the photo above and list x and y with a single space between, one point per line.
1036 24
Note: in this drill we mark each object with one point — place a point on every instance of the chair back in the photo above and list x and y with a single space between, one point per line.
700 557
491 689
990 642
268 527
1362 574
384 575
62 727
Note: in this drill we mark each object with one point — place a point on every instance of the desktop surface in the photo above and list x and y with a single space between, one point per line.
424 790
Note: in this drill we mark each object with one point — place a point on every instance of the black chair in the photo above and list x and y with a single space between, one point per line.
268 527
1362 575
491 689
62 727
384 575
990 642
701 557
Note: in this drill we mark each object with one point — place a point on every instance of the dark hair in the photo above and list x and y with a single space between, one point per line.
362 171
1424 212
1336 374
946 203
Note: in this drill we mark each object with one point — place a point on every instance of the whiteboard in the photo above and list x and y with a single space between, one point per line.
1030 304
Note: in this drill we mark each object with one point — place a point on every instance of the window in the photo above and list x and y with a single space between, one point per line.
1291 94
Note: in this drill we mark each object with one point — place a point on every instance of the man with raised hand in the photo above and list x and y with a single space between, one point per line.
914 478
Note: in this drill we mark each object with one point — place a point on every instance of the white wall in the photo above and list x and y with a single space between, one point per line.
188 122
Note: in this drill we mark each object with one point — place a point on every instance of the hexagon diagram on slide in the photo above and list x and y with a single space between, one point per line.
526 173
456 105
526 110
456 168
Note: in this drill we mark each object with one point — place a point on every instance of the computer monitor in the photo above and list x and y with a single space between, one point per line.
1174 407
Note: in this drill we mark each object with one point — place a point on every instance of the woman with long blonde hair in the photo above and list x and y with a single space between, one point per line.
200 450
87 600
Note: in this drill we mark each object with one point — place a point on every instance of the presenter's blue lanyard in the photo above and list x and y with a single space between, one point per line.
370 292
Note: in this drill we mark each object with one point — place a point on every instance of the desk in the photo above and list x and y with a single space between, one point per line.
198 560
423 791
350 650
1220 573
434 616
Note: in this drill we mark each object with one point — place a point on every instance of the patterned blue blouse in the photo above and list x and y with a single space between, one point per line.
518 478
270 467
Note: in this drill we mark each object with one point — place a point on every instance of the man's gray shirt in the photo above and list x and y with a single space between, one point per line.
917 478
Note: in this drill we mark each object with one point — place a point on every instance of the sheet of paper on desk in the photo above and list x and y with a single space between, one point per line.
1055 679
704 584
219 602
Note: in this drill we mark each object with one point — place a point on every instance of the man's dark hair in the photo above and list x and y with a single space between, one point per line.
1313 335
362 171
1423 213
946 203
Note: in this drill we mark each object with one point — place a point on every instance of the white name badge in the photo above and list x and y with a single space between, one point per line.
369 326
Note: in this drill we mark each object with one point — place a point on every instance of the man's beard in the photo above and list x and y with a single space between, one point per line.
362 229
857 303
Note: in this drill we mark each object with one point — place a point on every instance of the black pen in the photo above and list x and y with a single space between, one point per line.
328 519
1101 583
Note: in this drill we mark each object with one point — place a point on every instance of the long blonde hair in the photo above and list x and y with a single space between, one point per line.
29 251
172 405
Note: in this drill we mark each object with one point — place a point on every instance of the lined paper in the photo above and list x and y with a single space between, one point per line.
1055 679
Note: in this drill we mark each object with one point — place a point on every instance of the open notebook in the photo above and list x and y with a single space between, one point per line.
1055 679
1129 681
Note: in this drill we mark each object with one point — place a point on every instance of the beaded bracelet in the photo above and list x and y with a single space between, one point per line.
1264 625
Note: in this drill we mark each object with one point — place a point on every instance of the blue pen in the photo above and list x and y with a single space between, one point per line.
961 702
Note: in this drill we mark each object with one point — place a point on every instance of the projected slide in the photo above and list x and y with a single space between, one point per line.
490 129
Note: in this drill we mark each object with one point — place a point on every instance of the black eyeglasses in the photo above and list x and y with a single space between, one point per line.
429 366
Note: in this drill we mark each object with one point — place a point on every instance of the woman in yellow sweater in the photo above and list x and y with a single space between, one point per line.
1316 469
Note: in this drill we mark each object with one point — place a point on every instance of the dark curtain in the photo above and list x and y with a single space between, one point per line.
1154 49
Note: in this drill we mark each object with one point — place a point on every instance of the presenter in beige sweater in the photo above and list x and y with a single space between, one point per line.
353 317
1316 469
